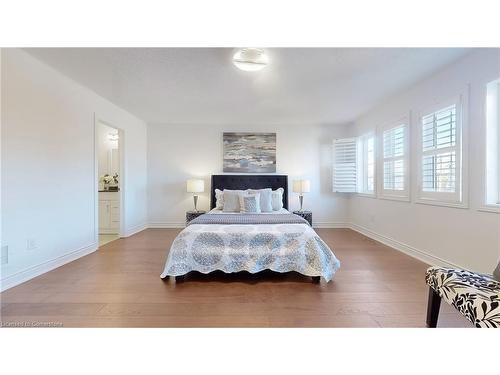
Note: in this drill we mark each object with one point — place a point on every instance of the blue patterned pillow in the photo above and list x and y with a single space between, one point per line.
266 204
250 203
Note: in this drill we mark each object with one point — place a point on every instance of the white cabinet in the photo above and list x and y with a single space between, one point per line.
109 212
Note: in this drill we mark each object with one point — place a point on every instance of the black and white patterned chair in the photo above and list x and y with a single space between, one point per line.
476 296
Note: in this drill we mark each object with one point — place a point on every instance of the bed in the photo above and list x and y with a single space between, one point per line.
233 242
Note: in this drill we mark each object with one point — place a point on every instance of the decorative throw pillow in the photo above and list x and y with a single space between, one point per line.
277 199
250 203
219 199
496 273
231 201
265 198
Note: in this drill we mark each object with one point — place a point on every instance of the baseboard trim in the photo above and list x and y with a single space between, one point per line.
166 224
330 224
34 271
421 255
108 231
134 230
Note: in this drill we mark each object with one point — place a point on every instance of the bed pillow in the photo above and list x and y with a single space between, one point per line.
250 203
232 200
277 199
265 198
219 199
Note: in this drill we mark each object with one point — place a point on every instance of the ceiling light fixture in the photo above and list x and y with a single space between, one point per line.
250 59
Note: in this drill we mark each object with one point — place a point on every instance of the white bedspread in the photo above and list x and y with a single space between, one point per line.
252 248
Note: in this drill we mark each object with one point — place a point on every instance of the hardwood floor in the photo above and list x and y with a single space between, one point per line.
119 286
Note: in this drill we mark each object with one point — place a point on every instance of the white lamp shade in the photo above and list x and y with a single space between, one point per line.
301 186
195 186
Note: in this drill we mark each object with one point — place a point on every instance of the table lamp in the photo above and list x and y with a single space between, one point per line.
301 187
195 186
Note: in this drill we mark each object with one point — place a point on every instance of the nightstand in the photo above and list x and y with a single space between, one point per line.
308 215
190 215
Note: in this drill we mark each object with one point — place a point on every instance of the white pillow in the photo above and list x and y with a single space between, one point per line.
232 200
250 203
265 198
219 199
277 199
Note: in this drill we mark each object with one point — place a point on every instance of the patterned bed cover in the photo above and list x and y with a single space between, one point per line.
250 242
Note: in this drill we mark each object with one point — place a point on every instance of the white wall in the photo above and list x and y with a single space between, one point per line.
48 166
464 237
179 152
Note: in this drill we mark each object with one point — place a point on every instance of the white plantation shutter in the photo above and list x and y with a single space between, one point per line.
440 154
394 158
345 165
439 162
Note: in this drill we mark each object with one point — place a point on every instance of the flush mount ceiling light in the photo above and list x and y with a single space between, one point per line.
250 59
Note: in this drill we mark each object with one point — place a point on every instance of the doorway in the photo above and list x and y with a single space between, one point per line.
109 153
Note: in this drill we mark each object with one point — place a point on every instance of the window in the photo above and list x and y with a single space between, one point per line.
344 168
440 154
354 165
493 144
395 161
366 162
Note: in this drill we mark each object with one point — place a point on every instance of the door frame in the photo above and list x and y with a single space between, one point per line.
121 151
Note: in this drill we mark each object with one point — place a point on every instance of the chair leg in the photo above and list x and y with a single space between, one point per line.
433 305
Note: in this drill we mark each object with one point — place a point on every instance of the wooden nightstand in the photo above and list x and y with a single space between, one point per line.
190 215
306 215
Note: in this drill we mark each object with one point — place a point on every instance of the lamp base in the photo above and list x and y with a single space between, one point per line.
301 200
195 198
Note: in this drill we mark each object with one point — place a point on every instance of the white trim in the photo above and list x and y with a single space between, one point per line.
488 206
362 163
397 198
421 255
494 208
331 224
435 202
367 195
108 231
167 224
460 198
134 230
39 269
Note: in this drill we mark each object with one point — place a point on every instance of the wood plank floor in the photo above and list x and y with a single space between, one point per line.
119 286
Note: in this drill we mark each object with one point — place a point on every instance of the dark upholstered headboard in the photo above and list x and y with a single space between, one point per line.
243 182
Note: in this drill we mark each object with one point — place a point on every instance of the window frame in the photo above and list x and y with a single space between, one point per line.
458 199
486 205
391 194
336 142
363 162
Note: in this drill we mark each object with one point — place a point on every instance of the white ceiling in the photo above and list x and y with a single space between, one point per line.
200 85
